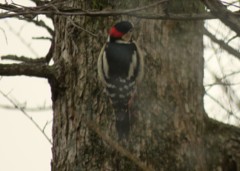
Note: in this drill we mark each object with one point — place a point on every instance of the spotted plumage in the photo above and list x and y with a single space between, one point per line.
120 68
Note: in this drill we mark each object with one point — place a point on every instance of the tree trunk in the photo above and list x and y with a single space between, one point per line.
170 130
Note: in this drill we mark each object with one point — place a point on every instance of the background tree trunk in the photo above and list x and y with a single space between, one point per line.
169 126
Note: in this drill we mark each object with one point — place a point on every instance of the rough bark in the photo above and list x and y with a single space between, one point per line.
170 130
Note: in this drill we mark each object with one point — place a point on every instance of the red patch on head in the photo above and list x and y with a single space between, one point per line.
115 33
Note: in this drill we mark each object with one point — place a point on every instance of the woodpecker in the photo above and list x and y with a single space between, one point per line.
120 69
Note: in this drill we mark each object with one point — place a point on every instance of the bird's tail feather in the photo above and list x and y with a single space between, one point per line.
122 123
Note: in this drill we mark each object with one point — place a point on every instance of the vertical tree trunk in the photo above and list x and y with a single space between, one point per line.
168 117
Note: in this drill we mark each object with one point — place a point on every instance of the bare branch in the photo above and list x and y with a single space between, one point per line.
220 104
221 83
36 70
231 74
50 10
23 40
170 16
39 23
23 59
46 124
227 17
231 4
30 109
54 8
222 44
4 34
27 115
153 16
42 38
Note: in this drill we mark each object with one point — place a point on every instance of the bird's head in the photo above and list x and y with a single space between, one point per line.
121 31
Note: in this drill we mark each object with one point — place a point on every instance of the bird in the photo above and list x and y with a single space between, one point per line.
121 69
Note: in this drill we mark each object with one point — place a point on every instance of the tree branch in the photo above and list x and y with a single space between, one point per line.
27 115
53 9
39 23
35 70
170 16
23 59
222 44
227 17
30 109
50 10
